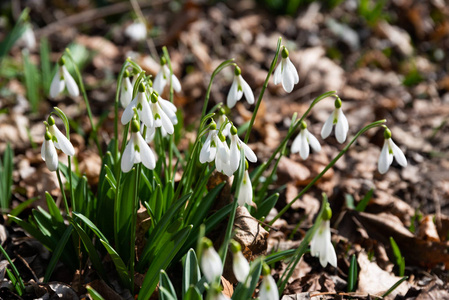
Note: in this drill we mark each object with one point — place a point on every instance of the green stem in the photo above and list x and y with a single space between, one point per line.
291 132
117 99
133 224
330 165
86 101
265 85
66 204
171 139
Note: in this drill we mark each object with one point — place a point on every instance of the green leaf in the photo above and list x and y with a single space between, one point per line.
57 253
191 272
93 293
6 168
19 208
45 64
364 202
17 31
265 206
192 294
14 276
162 260
31 81
349 201
119 264
394 286
165 283
352 274
53 210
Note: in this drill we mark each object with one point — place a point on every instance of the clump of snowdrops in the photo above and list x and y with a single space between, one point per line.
138 171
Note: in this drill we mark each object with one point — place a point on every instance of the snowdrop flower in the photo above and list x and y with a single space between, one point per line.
126 90
140 102
28 39
60 140
215 148
48 152
162 78
240 265
390 150
137 150
238 88
303 140
211 264
268 288
236 144
61 80
164 113
246 189
286 72
321 245
137 31
338 119
223 119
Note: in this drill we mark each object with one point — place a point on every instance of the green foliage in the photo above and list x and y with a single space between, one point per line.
372 12
13 274
352 275
6 167
32 82
400 262
17 31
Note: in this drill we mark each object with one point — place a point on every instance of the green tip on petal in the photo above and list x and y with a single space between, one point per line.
387 133
61 61
51 121
233 130
47 135
235 246
163 60
154 97
141 87
246 165
284 52
303 125
266 270
135 126
337 102
237 71
327 213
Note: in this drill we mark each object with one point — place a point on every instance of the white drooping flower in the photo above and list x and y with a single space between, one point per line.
286 72
59 139
164 113
321 244
240 265
303 140
338 119
390 150
246 190
239 88
223 119
48 152
136 31
140 102
268 288
162 77
61 80
137 151
211 264
126 90
28 39
236 145
215 148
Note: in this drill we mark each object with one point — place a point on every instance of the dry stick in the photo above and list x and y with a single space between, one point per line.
90 15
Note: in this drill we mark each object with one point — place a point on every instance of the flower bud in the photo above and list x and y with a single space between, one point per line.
284 52
233 130
327 213
337 102
51 121
237 71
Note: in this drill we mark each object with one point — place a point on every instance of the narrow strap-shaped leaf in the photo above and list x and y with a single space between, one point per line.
119 264
15 274
53 209
57 253
93 293
192 294
191 272
165 283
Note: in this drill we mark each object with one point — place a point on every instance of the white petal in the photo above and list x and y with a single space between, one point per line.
292 70
240 266
384 160
246 190
207 153
176 83
129 112
327 127
159 82
246 90
63 143
314 144
342 127
166 122
249 153
287 78
126 92
331 255
146 115
146 154
57 85
168 110
296 145
268 289
72 87
233 93
277 78
128 157
151 131
211 264
398 154
304 145
235 154
167 104
50 156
